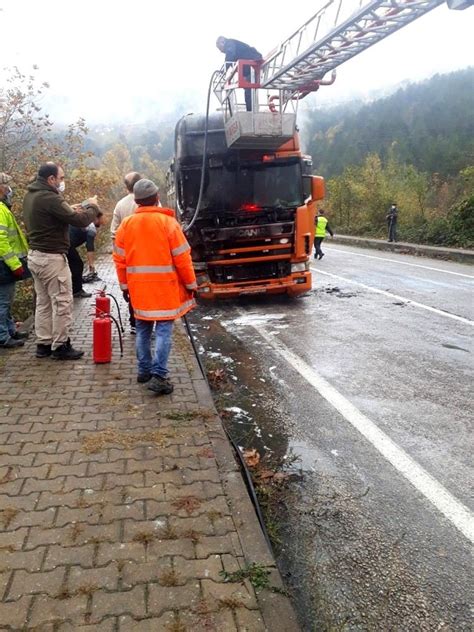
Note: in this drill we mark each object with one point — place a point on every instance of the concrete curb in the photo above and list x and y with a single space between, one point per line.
276 608
438 252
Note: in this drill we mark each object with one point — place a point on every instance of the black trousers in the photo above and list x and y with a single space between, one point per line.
392 231
317 246
77 268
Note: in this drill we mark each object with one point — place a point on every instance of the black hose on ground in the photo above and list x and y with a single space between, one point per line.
243 464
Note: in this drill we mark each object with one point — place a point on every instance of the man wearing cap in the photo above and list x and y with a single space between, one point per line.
48 217
155 271
125 207
13 248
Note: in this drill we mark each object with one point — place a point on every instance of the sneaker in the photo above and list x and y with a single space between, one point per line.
11 343
66 352
133 330
82 294
43 351
143 377
160 385
20 335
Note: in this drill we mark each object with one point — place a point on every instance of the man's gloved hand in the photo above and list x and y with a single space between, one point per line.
126 296
19 272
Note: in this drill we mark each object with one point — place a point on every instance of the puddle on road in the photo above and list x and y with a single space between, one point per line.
333 290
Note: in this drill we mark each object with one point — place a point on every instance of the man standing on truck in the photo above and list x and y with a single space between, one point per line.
321 226
235 50
155 272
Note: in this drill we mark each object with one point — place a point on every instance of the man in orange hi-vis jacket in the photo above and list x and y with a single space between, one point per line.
155 271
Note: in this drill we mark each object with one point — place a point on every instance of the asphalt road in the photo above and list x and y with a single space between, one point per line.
368 380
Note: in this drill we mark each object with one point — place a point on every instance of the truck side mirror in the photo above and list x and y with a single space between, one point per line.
317 188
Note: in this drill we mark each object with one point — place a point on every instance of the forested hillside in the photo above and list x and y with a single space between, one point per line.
415 148
429 125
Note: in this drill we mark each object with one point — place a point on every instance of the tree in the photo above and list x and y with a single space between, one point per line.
24 129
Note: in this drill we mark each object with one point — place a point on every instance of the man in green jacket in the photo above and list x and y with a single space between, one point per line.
48 217
13 246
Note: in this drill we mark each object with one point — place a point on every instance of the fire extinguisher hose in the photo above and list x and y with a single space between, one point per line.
118 311
119 332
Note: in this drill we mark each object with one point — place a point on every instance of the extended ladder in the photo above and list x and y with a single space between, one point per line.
340 30
301 61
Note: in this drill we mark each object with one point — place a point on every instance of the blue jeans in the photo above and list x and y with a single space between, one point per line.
158 365
7 326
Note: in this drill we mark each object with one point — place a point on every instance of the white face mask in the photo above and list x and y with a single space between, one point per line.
62 187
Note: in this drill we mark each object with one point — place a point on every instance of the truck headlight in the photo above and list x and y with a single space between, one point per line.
299 267
202 278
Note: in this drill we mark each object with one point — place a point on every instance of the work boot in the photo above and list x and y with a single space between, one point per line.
82 294
20 335
11 343
142 378
43 351
160 385
66 352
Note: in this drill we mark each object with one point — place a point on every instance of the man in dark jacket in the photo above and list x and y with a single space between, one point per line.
47 218
235 50
391 218
79 237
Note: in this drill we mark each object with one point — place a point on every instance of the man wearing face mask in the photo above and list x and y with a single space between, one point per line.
47 218
13 247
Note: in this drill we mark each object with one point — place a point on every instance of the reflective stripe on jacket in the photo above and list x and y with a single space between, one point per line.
13 243
320 226
153 262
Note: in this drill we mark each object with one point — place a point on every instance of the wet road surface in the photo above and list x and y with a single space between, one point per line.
368 380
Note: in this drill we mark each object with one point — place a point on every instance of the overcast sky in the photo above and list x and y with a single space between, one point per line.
115 61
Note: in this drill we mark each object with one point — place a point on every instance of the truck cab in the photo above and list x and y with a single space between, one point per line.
254 230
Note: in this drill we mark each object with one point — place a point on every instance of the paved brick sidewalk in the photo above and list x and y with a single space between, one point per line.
119 509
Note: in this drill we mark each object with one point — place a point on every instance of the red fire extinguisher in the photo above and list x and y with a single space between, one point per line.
102 339
102 303
102 328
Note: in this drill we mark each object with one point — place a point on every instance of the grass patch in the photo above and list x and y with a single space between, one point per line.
87 589
76 530
232 603
213 515
168 533
145 537
7 515
188 503
96 442
192 535
169 578
180 415
176 626
257 574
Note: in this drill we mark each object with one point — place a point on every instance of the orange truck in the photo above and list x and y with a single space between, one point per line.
255 228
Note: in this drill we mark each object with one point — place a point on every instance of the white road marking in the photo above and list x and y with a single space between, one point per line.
457 513
399 298
402 263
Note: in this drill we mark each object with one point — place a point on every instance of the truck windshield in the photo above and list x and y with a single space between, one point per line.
273 184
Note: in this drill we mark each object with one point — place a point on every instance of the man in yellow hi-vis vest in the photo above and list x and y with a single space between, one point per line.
321 226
